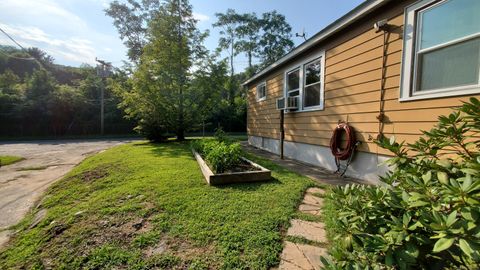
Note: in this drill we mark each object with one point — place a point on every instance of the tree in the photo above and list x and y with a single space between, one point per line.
11 97
51 99
40 55
8 79
131 20
160 93
209 86
249 33
276 39
40 84
229 23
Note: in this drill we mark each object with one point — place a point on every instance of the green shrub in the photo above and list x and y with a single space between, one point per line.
224 156
152 131
203 146
426 216
221 136
220 155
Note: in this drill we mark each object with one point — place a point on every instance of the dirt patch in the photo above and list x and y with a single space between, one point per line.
242 167
123 233
56 229
95 174
90 232
180 248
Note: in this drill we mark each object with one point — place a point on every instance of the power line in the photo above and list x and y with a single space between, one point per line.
18 44
16 57
14 41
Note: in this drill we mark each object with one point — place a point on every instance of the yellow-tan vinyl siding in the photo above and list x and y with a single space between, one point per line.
352 81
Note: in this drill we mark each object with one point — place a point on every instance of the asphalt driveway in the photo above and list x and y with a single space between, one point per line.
22 183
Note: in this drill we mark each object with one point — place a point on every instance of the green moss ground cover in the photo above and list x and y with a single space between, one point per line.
147 206
7 160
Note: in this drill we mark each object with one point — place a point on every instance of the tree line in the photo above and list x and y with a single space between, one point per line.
173 84
170 85
40 98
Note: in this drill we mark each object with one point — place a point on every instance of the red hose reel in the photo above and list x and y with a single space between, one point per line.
347 152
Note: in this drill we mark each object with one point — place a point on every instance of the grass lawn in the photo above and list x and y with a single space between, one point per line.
7 160
144 206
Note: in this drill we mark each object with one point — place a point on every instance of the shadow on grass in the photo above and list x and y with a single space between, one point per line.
170 148
181 149
249 186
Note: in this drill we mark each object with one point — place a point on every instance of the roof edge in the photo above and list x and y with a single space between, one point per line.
352 16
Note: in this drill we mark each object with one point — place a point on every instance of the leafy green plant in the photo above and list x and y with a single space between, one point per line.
204 146
224 156
220 155
221 136
426 216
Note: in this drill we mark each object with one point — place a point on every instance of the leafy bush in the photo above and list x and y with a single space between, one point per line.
224 156
220 155
426 216
221 136
152 131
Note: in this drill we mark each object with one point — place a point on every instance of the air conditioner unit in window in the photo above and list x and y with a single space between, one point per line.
288 103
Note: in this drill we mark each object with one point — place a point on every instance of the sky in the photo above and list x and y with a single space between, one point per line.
77 31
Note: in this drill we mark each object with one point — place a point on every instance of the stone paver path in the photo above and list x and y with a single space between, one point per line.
296 256
301 256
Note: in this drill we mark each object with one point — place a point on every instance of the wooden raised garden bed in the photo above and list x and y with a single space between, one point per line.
255 174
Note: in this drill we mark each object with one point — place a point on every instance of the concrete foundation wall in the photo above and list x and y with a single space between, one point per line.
364 166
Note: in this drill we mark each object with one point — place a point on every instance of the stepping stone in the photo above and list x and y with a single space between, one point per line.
302 257
313 200
285 265
315 190
310 209
313 231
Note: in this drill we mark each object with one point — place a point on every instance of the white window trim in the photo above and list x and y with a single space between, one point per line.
408 72
299 81
264 83
300 65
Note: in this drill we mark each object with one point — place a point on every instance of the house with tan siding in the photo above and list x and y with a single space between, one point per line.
387 67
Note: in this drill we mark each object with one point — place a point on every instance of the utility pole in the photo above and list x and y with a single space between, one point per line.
104 70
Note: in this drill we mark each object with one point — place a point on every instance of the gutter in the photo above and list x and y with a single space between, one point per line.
355 14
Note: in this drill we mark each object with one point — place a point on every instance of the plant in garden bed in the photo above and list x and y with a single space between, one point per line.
427 216
221 154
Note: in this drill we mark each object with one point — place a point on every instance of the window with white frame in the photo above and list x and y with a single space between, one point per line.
262 91
312 86
305 81
441 49
293 83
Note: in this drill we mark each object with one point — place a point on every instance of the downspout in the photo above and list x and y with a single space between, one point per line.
384 27
282 132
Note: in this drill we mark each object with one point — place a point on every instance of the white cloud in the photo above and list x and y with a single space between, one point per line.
200 17
52 27
46 11
72 48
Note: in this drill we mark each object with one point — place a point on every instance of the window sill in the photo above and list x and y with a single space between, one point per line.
319 108
442 94
261 99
